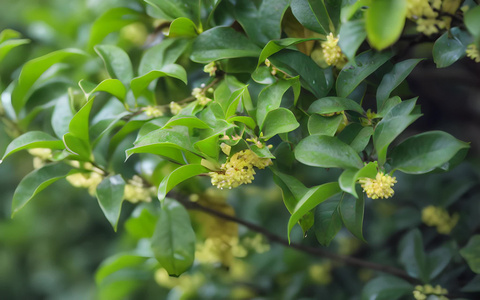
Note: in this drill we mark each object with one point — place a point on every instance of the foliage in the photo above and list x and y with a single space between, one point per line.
175 99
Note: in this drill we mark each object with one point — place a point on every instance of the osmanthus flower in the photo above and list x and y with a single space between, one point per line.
439 217
135 191
422 292
199 94
40 156
210 68
425 14
89 181
152 111
332 52
239 169
473 53
175 108
378 187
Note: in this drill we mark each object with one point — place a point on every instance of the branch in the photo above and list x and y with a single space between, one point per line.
307 249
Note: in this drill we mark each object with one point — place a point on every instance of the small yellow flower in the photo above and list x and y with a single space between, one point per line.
439 217
41 155
380 187
321 273
473 53
332 53
210 68
86 180
175 108
135 191
199 94
152 111
421 292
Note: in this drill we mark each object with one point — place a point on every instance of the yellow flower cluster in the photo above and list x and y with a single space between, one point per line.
320 273
175 108
152 111
41 155
238 169
425 14
439 217
473 53
135 191
89 181
210 68
199 94
187 284
332 53
380 187
421 292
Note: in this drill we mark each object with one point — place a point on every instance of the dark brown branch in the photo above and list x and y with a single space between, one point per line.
307 249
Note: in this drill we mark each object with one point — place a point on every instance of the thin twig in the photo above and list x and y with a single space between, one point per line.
307 249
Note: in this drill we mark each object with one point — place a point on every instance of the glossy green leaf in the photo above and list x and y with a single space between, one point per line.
472 21
173 9
116 263
30 140
471 253
313 15
384 21
270 98
182 27
173 242
324 125
231 105
351 36
209 146
77 146
112 86
245 120
315 79
312 198
263 75
352 211
426 151
7 34
292 189
32 70
262 23
189 121
110 197
393 79
412 255
277 121
327 221
220 43
349 177
361 140
37 181
111 21
116 61
79 124
450 47
327 152
274 46
165 53
61 117
329 105
7 46
177 176
352 75
141 224
386 287
139 84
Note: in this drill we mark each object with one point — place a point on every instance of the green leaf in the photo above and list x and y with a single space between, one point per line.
230 107
139 84
160 55
329 105
110 198
30 140
412 255
352 211
262 23
112 20
472 286
384 22
352 75
220 43
243 119
393 79
426 151
292 189
32 70
7 34
182 27
361 139
472 21
386 287
351 36
37 181
112 86
61 117
324 125
173 242
277 121
471 253
274 46
77 139
315 79
327 152
312 198
450 48
177 176
189 121
313 15
270 97
349 177
77 146
7 46
116 263
116 61
173 9
327 221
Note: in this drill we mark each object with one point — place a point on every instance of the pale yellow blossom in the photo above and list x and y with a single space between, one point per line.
332 53
380 187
